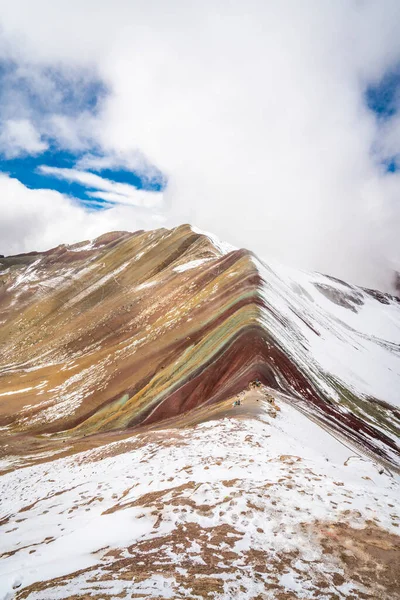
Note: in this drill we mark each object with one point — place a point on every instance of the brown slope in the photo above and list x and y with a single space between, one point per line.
85 328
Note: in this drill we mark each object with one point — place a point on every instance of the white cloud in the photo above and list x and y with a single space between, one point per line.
128 161
36 218
116 192
71 133
20 137
254 111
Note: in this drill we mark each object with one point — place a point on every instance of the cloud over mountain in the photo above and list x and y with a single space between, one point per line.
267 120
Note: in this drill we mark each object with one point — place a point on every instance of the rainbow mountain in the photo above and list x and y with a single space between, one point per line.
132 329
161 393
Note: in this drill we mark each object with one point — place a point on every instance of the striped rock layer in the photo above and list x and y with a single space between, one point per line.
135 328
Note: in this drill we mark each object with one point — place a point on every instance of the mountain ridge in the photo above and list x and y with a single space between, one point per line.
208 320
179 419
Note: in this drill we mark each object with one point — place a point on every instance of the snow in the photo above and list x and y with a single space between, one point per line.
222 247
20 391
147 284
190 265
288 581
88 246
69 395
28 274
360 349
372 318
66 503
73 551
97 284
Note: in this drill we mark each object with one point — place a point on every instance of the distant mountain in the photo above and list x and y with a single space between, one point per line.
397 283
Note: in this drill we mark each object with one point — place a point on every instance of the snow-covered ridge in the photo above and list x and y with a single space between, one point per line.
349 332
357 344
222 247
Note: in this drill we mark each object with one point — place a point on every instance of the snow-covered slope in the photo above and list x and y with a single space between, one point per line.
242 507
346 343
350 333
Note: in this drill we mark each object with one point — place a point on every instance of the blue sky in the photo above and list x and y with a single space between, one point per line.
383 99
29 100
27 169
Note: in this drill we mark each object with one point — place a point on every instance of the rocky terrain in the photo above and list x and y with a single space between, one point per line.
179 419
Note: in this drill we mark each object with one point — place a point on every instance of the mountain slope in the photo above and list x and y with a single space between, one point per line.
132 329
180 420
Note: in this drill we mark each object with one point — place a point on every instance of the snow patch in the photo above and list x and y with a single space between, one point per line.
190 265
222 247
